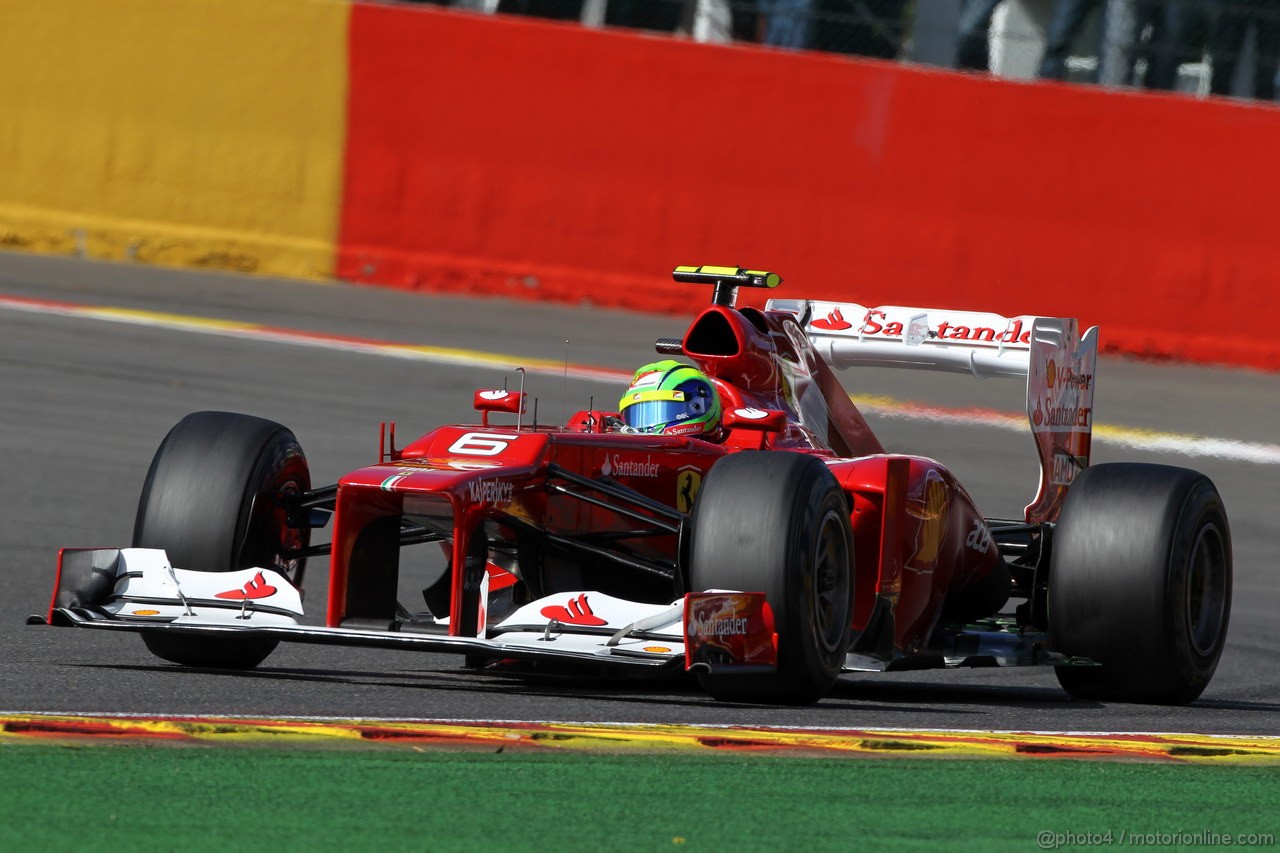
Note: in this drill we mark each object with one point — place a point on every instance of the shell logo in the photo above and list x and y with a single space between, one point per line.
1051 373
144 612
657 650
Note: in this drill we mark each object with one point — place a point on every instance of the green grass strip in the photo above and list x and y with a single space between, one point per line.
395 798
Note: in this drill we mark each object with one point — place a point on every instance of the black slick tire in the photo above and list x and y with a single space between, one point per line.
778 522
200 503
1140 582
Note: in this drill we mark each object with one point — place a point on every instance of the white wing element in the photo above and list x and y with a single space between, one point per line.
1057 362
848 334
140 585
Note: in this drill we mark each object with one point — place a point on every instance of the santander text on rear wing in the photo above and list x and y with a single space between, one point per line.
1058 363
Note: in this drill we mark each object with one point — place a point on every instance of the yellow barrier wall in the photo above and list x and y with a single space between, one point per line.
192 132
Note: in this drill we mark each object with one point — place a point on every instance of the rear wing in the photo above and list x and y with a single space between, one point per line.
1057 362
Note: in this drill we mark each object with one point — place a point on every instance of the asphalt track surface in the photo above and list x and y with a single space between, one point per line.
86 400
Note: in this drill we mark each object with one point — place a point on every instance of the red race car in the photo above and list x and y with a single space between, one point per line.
735 517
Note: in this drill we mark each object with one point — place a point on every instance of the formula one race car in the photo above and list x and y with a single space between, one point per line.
767 559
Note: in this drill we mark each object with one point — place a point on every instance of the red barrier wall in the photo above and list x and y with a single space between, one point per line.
515 157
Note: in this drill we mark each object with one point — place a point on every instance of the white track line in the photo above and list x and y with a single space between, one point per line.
1135 438
1131 437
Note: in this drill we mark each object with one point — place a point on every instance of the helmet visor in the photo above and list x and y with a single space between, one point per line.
654 410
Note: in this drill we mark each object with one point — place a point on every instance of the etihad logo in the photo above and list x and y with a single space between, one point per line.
256 588
576 612
619 467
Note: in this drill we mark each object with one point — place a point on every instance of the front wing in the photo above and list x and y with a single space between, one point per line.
136 589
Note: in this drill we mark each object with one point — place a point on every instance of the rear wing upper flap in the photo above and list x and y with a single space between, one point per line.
848 335
1058 363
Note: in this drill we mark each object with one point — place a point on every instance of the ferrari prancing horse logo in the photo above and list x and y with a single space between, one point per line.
688 482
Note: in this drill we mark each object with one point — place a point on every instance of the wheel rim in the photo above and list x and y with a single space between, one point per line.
829 595
270 537
288 539
1206 591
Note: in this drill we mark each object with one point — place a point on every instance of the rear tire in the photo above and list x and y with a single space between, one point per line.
1140 582
777 522
198 505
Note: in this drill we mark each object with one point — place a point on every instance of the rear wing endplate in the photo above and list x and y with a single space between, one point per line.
1056 361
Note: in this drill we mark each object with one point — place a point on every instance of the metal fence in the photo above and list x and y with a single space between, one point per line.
1204 47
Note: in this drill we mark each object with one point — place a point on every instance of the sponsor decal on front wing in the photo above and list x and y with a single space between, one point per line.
147 586
587 608
256 588
729 629
576 612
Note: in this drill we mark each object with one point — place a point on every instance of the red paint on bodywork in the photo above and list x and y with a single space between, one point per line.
910 517
927 556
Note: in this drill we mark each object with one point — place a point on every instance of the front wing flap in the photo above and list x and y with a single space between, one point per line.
138 585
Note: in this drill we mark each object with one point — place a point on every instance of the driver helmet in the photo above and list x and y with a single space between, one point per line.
670 398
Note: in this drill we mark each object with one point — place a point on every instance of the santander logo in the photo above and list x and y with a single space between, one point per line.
834 321
578 612
619 467
256 588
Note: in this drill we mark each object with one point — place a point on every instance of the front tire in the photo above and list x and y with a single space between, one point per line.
777 522
1140 582
198 504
